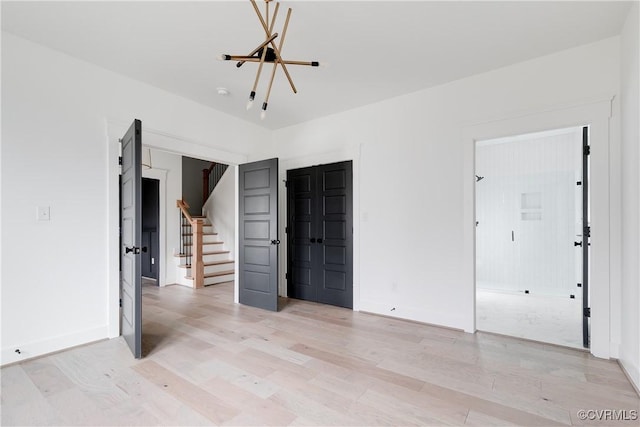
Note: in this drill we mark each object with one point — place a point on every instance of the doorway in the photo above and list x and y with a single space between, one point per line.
150 230
532 232
320 234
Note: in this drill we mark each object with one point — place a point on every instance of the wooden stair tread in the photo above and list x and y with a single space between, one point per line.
215 252
205 243
219 273
209 263
204 253
204 234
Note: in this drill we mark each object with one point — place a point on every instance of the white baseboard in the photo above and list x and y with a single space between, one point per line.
33 349
614 352
446 320
632 371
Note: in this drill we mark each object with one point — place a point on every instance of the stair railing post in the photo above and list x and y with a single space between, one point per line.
197 264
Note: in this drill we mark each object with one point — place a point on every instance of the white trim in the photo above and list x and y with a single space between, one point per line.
596 114
286 164
33 349
176 144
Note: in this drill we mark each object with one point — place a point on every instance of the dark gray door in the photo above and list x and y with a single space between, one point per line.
258 234
586 233
301 238
131 232
320 239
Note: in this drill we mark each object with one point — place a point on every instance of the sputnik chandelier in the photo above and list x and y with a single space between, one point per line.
267 51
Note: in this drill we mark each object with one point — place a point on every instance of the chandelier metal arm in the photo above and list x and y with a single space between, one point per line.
243 58
253 52
262 58
278 60
273 45
269 39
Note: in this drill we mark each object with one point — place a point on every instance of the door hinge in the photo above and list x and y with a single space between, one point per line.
286 275
286 230
587 312
120 302
587 231
286 183
120 160
586 150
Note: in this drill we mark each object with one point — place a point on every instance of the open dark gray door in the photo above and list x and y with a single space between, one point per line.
258 234
131 233
586 233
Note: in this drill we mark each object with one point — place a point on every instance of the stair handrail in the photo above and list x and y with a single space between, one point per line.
184 207
210 178
197 263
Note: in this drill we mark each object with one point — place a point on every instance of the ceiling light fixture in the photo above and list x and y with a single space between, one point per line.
146 158
267 51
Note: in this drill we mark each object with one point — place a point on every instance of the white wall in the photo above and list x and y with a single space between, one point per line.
410 188
220 209
60 278
411 239
167 168
630 100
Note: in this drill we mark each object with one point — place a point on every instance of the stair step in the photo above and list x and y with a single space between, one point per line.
203 253
208 263
216 274
205 243
204 234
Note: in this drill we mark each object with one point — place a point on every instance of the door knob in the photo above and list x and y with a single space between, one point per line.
144 249
312 240
275 242
577 244
319 240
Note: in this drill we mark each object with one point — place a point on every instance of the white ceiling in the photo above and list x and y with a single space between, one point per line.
375 49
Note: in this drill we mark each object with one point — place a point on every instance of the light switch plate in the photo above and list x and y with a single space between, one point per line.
44 213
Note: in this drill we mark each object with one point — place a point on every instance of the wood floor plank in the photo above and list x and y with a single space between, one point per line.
190 394
209 361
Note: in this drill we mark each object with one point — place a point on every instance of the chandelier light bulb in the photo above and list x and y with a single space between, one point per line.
263 114
249 104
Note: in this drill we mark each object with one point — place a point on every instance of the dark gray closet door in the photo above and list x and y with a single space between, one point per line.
258 234
320 234
301 207
335 238
131 232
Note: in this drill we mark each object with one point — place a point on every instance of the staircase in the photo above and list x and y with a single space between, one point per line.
209 250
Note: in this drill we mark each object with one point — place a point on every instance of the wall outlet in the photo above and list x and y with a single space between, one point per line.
44 213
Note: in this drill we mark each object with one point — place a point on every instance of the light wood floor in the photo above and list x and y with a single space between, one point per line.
209 361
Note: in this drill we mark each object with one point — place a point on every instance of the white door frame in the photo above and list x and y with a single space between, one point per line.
288 163
114 129
603 237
